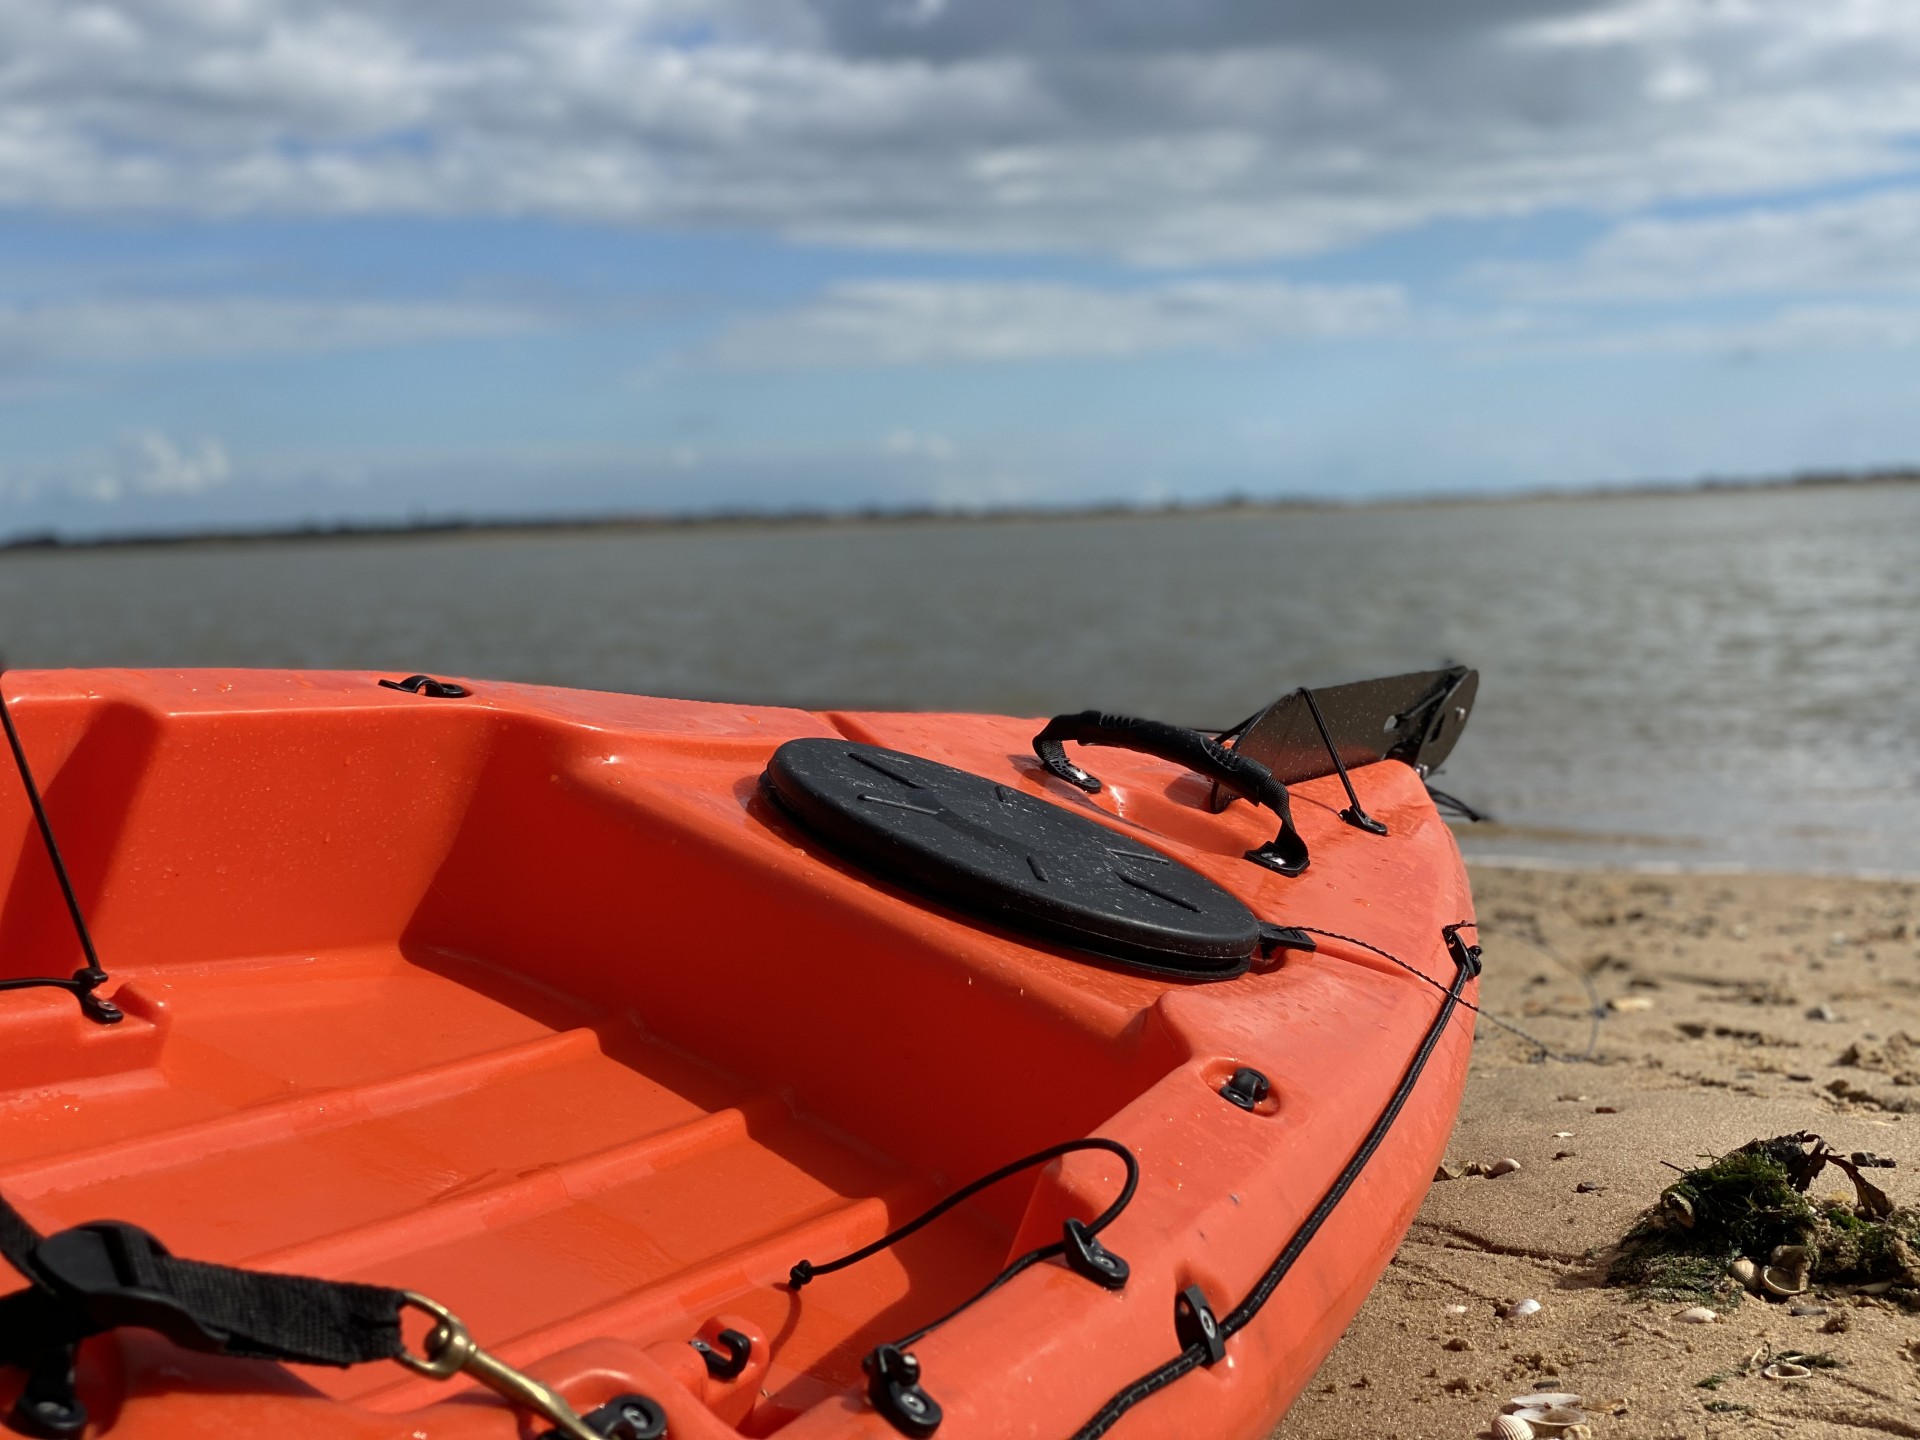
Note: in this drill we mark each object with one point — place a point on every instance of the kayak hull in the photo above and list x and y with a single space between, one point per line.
530 1001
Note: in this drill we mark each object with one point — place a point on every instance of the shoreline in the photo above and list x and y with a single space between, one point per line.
448 527
1552 865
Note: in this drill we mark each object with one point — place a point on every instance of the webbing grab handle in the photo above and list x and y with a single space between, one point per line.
1241 774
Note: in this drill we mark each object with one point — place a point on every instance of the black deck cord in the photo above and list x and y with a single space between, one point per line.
1466 967
1446 801
1547 1051
806 1271
91 976
1355 814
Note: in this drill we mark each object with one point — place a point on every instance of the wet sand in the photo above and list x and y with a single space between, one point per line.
1730 1003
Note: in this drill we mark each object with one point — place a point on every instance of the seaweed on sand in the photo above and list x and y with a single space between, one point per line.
1752 1200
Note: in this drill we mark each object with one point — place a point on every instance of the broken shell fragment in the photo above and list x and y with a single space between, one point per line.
1520 1309
1806 1309
1696 1315
1512 1427
1502 1167
1784 1282
1786 1370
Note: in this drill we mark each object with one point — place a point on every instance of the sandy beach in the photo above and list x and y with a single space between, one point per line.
1734 1008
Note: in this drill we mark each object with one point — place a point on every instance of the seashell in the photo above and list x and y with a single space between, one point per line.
1788 1274
1520 1309
1696 1315
1444 1171
1456 1309
1547 1400
1679 1207
1629 1004
1512 1427
1786 1370
1806 1309
1746 1272
1502 1167
1878 1287
1563 1135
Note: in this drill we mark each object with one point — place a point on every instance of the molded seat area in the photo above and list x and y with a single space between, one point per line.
546 1016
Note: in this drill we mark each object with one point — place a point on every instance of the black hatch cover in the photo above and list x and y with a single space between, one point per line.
1005 856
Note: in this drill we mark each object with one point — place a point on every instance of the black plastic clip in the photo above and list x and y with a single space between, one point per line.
738 1347
1246 1088
625 1417
1284 937
428 686
1087 1256
82 986
1194 1324
49 1406
1466 956
893 1385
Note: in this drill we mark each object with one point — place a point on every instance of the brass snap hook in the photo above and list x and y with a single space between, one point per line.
450 1350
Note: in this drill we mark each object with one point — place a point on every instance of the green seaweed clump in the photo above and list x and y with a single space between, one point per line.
1752 1200
1741 1204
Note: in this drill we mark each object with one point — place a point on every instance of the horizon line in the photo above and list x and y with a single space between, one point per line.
450 525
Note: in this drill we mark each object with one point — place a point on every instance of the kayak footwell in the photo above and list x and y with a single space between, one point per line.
561 1171
531 1002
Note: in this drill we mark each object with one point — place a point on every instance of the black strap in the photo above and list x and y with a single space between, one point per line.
102 1276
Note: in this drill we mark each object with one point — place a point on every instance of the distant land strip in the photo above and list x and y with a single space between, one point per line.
638 522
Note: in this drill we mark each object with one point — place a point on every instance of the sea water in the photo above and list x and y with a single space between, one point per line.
1707 680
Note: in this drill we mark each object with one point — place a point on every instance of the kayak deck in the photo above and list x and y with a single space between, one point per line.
529 1004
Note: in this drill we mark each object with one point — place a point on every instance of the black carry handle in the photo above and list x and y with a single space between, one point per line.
1241 774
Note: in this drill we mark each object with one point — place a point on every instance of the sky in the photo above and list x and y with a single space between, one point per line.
277 261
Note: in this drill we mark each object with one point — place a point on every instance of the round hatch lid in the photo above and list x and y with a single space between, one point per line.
1003 855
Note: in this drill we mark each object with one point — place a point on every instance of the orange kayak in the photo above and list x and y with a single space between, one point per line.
471 1060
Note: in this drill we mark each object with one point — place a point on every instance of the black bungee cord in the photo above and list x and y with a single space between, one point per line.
87 980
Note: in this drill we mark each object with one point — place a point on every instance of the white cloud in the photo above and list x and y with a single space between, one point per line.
141 330
1788 330
927 322
917 445
1179 133
151 464
1857 245
167 469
